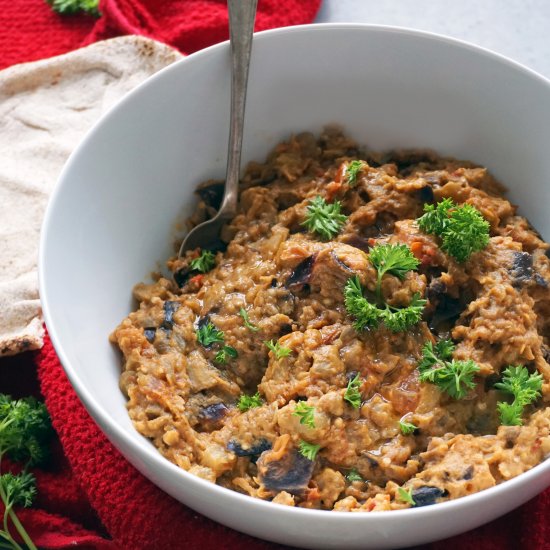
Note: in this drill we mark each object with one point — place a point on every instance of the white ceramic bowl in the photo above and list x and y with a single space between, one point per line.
113 213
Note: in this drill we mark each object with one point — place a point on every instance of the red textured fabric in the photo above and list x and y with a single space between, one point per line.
30 30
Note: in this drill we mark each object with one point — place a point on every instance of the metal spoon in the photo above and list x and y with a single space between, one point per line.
241 26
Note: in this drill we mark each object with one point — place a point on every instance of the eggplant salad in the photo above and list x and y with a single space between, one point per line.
372 334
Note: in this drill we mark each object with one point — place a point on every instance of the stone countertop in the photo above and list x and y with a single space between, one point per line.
518 29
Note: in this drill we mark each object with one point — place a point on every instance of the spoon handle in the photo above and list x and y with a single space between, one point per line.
241 27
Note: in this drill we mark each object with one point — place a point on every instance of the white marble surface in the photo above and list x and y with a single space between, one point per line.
519 29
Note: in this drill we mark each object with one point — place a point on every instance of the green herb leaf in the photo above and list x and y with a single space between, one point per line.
208 334
525 387
205 262
225 353
25 429
405 495
278 350
246 402
324 218
436 217
407 428
352 394
306 413
396 259
243 313
309 450
400 319
352 171
69 7
368 315
463 230
357 306
353 475
454 377
20 489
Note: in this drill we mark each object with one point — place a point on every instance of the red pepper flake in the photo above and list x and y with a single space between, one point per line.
416 249
312 493
332 190
197 279
339 178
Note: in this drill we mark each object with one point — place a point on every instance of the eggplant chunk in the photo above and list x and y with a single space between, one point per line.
291 473
301 275
522 268
170 307
424 496
256 450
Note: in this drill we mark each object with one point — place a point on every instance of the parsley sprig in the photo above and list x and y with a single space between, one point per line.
225 353
208 334
309 450
354 475
365 314
462 229
69 7
306 413
352 394
524 387
24 433
278 350
244 314
405 495
395 259
454 377
324 218
204 263
246 402
407 428
352 171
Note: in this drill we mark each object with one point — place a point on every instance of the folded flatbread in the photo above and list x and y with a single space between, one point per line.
46 107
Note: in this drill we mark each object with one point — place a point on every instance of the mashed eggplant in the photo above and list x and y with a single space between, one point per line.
226 408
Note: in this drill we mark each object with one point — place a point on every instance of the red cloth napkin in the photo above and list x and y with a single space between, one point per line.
89 496
31 30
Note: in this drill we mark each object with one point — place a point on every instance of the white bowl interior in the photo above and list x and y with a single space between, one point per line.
114 214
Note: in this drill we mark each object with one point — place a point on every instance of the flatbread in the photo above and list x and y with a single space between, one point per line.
46 107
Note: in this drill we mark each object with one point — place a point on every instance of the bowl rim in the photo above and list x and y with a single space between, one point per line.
114 432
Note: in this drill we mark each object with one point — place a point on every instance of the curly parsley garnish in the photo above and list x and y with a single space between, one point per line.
524 387
205 262
306 414
352 171
405 495
247 402
400 319
244 314
395 259
352 394
309 450
365 314
462 229
225 353
69 7
407 428
454 377
324 218
278 350
208 334
354 475
24 433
